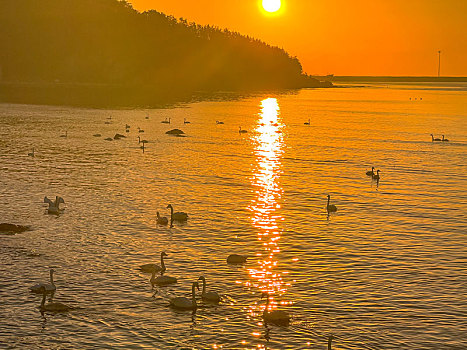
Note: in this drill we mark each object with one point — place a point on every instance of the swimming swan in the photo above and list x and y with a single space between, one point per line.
161 220
54 207
149 268
47 287
307 123
236 259
219 122
331 208
444 140
376 176
53 307
31 154
242 131
185 121
372 172
178 216
208 296
162 280
183 303
433 139
279 317
166 121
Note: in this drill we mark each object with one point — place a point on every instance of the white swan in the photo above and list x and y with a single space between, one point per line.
161 220
48 287
279 317
149 268
331 208
54 207
53 307
236 259
162 280
178 216
183 303
208 296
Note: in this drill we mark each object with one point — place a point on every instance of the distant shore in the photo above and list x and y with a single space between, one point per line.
387 79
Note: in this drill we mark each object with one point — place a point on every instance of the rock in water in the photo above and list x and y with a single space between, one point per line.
12 228
175 132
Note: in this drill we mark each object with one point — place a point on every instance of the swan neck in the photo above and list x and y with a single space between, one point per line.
51 277
204 286
193 299
162 262
43 300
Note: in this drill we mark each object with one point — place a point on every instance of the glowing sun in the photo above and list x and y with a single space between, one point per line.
271 5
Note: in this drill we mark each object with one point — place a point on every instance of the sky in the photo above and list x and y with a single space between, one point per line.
342 37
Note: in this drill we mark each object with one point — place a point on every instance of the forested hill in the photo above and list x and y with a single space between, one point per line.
108 42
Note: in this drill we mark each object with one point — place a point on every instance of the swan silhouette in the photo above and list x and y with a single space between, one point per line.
140 130
149 268
433 139
47 287
371 172
331 208
183 303
185 121
54 207
242 131
31 154
161 220
444 140
53 307
307 123
178 216
162 280
65 134
208 296
278 317
236 259
376 176
166 121
219 122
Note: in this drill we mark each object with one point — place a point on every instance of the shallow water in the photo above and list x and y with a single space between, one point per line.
387 271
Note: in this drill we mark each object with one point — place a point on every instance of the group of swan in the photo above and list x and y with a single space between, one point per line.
54 206
372 173
438 139
184 303
177 216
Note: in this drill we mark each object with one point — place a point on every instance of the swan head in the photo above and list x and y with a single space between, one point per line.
195 284
329 196
164 254
169 206
201 278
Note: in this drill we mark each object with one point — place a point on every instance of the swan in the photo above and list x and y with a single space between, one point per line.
307 123
444 140
208 296
178 216
127 126
183 303
279 317
54 207
236 259
185 121
241 131
65 134
97 135
372 172
161 220
109 139
53 307
376 176
149 268
140 130
47 287
331 208
166 121
433 139
162 280
219 122
31 154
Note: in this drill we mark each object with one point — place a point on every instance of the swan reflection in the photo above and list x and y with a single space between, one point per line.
266 218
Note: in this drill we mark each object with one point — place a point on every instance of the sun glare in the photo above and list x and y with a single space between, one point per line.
271 5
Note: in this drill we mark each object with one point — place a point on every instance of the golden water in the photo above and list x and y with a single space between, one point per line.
387 271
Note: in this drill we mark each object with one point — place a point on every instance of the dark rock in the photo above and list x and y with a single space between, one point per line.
175 132
12 228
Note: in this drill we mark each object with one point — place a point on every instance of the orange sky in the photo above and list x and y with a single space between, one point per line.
345 37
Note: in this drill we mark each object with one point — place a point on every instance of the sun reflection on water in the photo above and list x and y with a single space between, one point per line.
269 148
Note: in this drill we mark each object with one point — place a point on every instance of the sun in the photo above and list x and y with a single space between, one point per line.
271 5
